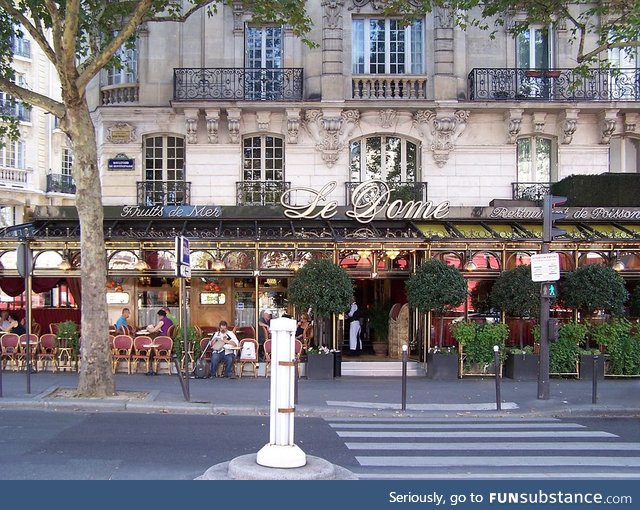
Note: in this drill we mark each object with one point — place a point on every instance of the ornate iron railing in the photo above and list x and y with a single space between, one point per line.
534 191
13 108
60 183
230 84
404 191
501 84
260 192
152 193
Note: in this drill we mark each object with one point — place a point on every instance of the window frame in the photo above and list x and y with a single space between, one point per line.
533 174
363 173
264 159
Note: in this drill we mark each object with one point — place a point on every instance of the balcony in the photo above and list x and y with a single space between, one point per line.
230 84
260 192
152 193
393 86
123 93
14 177
533 191
61 183
501 84
404 191
13 108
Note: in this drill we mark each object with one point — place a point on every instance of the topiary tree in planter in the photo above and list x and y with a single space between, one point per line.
436 287
517 296
325 288
594 287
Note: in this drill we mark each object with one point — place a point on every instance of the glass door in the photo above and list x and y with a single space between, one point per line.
263 63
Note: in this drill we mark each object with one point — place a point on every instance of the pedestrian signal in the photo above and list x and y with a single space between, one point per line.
550 290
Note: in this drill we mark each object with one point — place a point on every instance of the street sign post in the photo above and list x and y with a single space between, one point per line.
545 267
183 270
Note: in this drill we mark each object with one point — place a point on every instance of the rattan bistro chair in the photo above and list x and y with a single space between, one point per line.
248 356
121 350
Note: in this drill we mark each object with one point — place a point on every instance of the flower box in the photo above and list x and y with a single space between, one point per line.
320 366
522 367
442 366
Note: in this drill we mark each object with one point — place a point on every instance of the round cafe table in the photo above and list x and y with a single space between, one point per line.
152 351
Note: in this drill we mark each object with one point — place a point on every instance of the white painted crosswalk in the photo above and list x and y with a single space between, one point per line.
485 448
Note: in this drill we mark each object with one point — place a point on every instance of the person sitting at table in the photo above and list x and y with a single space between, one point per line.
163 325
15 325
122 323
171 317
5 324
223 344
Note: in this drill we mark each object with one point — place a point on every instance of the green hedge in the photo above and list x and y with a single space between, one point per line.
613 190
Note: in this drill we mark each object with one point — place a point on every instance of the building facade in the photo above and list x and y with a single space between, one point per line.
379 147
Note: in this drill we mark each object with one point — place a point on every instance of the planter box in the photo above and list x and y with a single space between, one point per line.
320 366
480 369
442 366
586 367
337 364
522 367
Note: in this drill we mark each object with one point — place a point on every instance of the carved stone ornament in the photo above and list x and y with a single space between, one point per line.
331 130
387 118
539 119
513 117
441 129
608 121
332 13
377 4
569 125
213 121
443 17
191 124
121 132
630 122
263 120
233 124
293 124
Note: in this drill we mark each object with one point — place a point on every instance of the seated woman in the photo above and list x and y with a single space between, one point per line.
15 325
303 322
163 325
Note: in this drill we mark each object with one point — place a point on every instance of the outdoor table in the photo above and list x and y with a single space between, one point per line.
152 350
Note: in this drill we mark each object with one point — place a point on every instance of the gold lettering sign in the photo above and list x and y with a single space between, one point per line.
369 200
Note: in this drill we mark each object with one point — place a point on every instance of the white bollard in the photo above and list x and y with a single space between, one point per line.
281 452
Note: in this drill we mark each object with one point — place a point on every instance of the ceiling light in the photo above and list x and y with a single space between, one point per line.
618 266
218 265
64 265
142 265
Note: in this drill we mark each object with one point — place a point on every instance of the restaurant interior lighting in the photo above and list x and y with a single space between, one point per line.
65 264
469 265
218 264
617 264
142 265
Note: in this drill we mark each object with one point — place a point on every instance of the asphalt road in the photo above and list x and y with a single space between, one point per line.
45 445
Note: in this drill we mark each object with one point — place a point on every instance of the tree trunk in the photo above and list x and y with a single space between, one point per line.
521 331
96 377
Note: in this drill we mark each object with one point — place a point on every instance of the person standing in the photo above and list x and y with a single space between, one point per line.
355 343
223 344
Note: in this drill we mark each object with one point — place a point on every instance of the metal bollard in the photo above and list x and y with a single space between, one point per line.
496 362
594 382
405 353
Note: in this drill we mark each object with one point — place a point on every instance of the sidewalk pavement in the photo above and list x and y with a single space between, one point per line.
342 396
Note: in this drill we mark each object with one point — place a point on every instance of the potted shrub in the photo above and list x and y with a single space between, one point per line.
325 288
320 363
69 336
437 287
477 346
378 318
621 345
518 296
564 352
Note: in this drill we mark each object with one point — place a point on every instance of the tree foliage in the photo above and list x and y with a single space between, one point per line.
593 27
515 293
594 287
322 286
436 286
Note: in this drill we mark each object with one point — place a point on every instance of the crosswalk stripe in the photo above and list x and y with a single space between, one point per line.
453 426
475 461
472 433
511 445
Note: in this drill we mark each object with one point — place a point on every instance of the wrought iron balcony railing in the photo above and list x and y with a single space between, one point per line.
534 191
230 84
60 183
152 193
500 84
13 108
260 192
404 191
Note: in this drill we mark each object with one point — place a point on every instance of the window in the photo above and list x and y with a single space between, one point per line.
624 155
164 171
263 60
14 107
534 48
388 158
623 80
128 68
536 160
263 158
384 46
21 47
67 161
12 154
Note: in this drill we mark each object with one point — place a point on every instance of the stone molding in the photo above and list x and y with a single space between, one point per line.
441 129
330 129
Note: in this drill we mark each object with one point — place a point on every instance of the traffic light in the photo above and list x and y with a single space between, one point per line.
550 215
553 329
549 290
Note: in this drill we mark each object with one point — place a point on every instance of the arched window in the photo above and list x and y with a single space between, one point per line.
537 167
389 158
164 173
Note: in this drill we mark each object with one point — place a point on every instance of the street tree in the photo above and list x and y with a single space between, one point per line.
80 38
592 288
